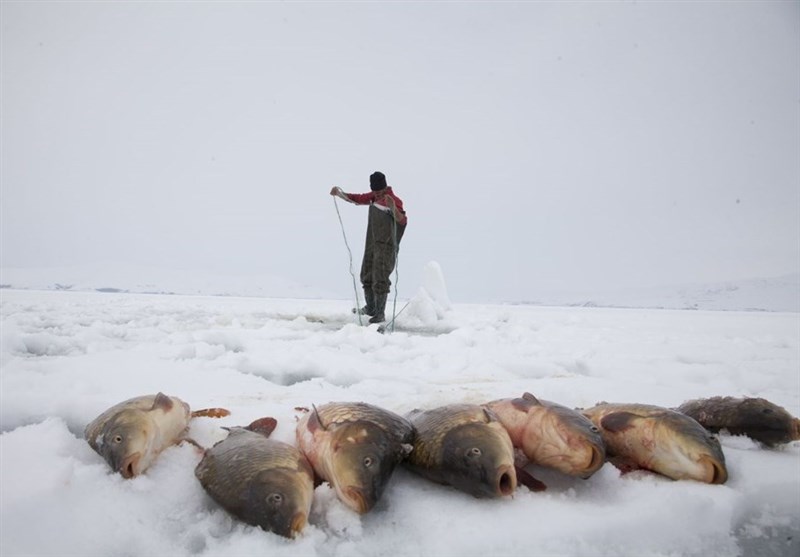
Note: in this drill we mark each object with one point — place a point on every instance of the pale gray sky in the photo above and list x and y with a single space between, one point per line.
537 145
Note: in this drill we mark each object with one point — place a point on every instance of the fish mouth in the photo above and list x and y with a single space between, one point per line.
297 524
716 473
130 465
356 499
597 460
506 480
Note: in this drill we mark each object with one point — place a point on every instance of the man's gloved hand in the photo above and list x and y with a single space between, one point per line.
336 190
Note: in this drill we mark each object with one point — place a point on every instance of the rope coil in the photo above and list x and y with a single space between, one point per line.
350 253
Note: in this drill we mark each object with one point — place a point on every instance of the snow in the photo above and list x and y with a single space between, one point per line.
753 294
756 294
434 285
113 276
67 356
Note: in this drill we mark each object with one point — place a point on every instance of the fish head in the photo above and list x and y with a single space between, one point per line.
773 424
479 459
362 461
569 442
794 430
279 500
687 450
125 442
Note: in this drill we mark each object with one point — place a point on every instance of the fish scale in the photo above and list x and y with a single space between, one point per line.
465 446
433 425
131 434
247 472
281 455
334 413
659 439
355 446
552 435
143 403
756 418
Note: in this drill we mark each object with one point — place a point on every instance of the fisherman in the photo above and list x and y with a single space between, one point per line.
387 222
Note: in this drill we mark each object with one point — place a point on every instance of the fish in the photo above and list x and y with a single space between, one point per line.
660 440
131 434
260 481
464 446
552 435
757 418
355 447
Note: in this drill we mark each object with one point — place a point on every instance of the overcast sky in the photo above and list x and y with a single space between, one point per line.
537 146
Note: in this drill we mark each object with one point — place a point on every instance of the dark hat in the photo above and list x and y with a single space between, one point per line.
377 181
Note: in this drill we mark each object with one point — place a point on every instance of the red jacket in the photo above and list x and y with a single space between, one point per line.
378 198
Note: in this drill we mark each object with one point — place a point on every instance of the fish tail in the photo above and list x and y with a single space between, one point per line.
211 413
264 426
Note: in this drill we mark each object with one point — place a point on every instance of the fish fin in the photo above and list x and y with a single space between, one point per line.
624 464
162 402
192 442
211 413
525 402
489 415
405 450
264 426
530 398
618 421
412 415
526 479
318 418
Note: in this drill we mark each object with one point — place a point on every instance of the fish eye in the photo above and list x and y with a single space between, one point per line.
118 439
275 498
595 429
368 461
474 452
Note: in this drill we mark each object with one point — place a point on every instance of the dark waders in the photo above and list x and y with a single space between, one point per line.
380 256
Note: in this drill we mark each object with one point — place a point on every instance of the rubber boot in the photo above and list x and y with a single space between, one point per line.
369 298
380 307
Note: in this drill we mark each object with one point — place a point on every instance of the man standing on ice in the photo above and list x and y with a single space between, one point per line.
387 222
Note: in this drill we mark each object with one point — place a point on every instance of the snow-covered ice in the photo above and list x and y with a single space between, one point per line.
67 356
754 294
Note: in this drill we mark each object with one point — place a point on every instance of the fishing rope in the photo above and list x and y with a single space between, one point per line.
350 253
396 269
391 323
